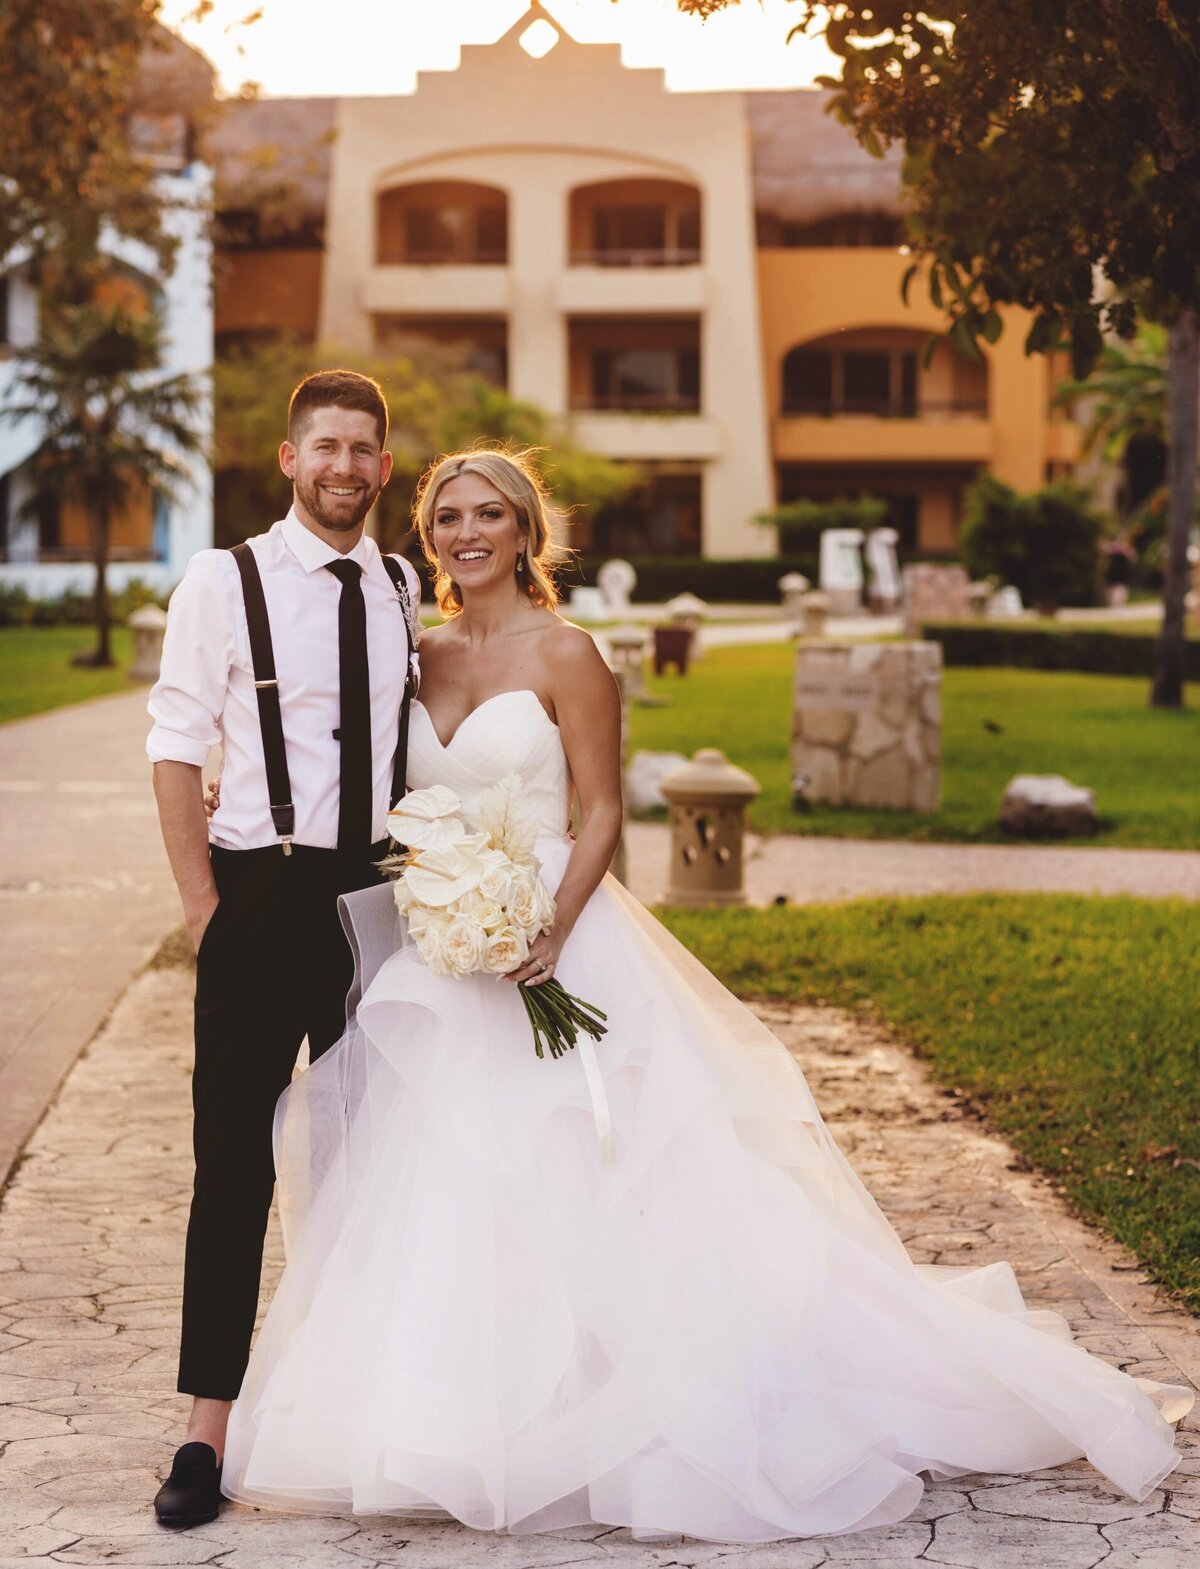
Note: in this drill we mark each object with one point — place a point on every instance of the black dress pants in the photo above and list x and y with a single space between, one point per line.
273 966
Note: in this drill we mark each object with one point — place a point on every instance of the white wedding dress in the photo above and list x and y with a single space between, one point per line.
715 1334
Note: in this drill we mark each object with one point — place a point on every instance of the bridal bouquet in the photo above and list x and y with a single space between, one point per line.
475 900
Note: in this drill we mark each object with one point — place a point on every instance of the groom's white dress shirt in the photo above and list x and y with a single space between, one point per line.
205 693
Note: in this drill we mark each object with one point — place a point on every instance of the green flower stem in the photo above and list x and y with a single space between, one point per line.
558 1018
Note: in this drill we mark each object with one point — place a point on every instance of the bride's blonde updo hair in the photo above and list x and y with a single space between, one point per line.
513 474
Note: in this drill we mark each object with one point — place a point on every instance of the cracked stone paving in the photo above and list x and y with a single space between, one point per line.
91 1239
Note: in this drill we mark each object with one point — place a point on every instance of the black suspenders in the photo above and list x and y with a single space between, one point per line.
266 689
400 764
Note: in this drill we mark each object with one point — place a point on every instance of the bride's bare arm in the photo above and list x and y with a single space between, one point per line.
587 706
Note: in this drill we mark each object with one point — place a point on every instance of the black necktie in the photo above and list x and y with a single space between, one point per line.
355 801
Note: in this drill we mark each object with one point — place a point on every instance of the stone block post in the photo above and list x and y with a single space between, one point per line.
867 724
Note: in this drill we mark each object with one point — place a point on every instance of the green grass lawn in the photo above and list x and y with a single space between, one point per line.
1070 1021
1143 763
36 672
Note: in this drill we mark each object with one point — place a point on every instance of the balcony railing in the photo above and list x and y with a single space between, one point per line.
79 553
637 402
448 256
888 408
648 256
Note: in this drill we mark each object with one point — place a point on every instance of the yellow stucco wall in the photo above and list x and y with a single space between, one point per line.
822 294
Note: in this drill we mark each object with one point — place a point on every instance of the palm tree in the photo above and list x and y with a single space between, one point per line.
1128 392
113 428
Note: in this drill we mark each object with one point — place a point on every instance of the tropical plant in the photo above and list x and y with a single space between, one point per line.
1127 393
1046 544
114 428
1052 163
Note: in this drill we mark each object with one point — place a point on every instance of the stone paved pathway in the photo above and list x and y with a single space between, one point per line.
86 895
91 1233
806 870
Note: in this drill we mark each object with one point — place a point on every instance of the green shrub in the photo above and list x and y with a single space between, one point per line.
71 609
800 524
1047 544
16 607
1090 650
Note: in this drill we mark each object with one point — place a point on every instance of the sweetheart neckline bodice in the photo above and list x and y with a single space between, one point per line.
519 691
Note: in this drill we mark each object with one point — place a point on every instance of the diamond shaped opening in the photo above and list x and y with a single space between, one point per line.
539 38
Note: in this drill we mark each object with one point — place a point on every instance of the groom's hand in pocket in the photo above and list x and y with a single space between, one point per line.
198 916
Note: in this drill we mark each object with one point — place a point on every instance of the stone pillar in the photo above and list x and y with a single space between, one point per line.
792 588
148 625
934 593
867 725
627 655
816 613
707 799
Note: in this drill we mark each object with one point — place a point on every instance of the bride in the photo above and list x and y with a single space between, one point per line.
715 1332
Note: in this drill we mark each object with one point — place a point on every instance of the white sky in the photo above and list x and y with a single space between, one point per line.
347 48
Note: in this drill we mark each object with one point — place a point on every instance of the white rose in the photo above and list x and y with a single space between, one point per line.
431 945
546 907
505 951
495 881
464 945
486 912
524 906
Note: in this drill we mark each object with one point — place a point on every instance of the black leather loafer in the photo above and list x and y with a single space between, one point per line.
191 1495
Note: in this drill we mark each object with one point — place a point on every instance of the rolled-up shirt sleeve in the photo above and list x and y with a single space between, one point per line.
188 699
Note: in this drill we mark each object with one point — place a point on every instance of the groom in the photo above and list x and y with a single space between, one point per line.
293 652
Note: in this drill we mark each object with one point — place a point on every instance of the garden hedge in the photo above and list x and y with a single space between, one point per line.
1091 650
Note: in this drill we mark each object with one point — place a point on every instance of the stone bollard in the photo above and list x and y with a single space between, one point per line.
148 625
707 799
792 588
815 609
627 654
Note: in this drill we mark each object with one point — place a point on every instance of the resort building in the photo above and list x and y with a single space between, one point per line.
704 284
51 552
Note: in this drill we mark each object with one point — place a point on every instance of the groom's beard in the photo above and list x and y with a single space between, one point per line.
340 515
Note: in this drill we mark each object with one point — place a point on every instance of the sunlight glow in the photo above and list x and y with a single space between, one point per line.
308 48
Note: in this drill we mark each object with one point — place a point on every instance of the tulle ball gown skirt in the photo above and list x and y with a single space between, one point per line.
715 1333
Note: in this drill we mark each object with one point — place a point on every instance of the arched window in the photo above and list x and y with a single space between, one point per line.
440 222
635 223
878 371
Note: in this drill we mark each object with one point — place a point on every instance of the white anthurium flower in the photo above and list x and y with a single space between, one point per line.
427 819
441 876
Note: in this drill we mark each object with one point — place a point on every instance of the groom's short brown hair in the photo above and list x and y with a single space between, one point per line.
338 389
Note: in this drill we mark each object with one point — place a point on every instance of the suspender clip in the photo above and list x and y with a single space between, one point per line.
258 685
286 842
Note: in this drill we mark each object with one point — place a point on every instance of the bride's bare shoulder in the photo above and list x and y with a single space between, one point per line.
576 666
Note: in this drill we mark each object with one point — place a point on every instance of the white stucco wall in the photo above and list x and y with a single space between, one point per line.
188 313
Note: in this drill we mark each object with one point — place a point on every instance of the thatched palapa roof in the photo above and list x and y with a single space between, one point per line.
808 166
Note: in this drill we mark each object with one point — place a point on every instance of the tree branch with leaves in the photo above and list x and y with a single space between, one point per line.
1052 162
